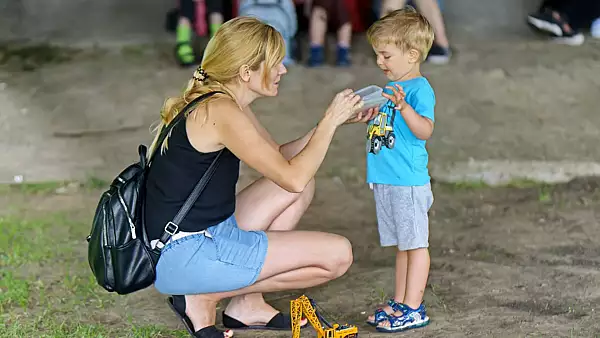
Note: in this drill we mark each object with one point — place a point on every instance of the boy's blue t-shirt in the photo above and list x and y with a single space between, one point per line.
405 164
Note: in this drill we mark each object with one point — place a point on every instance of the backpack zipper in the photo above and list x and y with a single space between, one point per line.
129 220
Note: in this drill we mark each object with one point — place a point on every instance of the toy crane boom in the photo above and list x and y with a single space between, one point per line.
305 306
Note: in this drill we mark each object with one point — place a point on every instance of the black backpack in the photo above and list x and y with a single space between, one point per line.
119 252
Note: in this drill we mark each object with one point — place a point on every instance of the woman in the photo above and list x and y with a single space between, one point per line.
240 246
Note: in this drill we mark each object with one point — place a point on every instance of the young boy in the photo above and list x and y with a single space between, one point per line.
397 162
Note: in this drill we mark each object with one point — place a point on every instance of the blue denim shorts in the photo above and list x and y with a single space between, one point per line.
227 258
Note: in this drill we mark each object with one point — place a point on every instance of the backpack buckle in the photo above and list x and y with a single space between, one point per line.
172 226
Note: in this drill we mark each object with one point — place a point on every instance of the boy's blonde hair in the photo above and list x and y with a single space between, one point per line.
406 28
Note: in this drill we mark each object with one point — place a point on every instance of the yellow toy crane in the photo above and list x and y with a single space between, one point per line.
305 306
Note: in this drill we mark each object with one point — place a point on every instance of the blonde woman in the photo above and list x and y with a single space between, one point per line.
240 246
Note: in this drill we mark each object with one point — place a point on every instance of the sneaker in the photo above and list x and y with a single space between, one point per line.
545 22
438 55
410 319
575 39
595 29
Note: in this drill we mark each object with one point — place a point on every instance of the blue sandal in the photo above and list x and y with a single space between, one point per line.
381 315
410 319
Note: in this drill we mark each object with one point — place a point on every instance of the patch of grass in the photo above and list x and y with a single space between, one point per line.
465 185
13 291
32 57
35 188
46 326
94 183
22 241
52 187
472 185
47 288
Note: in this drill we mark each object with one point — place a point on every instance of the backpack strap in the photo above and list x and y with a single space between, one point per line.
167 128
173 226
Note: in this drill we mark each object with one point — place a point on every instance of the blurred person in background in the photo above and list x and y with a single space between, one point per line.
565 20
281 15
187 12
440 52
323 13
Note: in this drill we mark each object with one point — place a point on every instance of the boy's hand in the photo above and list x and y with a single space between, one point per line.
363 116
397 96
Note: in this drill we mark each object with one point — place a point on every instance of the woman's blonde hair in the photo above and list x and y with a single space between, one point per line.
239 41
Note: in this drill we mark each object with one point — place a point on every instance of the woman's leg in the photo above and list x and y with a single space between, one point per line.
295 260
263 205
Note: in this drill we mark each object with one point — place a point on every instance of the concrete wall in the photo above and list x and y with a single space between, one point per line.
122 21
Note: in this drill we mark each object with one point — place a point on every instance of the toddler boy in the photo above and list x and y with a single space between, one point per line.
397 162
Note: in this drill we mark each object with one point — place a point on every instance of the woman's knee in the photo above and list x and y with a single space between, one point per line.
340 256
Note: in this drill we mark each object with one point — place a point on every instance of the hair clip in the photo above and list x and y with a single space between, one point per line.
202 76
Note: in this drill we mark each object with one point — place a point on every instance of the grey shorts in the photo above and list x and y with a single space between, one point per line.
402 216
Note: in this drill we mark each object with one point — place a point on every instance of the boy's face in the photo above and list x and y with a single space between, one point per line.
395 63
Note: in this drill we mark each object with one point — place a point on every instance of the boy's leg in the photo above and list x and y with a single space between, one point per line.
412 227
400 284
401 276
418 272
385 204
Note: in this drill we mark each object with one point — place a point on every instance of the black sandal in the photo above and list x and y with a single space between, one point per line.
177 304
279 322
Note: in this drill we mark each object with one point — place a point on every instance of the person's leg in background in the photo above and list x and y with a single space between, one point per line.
322 12
344 34
317 32
440 52
183 50
215 9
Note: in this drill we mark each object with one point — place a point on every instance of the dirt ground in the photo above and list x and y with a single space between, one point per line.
85 111
506 262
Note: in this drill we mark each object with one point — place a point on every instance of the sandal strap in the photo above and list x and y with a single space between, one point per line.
396 306
209 332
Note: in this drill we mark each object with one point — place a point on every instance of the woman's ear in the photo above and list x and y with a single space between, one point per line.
244 73
414 56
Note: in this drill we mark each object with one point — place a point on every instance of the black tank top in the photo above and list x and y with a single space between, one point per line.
174 174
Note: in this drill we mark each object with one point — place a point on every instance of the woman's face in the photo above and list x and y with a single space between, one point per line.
274 74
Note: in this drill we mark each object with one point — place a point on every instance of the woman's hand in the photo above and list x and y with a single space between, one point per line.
363 116
344 105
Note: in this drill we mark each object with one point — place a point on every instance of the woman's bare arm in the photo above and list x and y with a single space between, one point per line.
238 133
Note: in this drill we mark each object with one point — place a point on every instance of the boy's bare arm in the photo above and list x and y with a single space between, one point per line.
421 126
